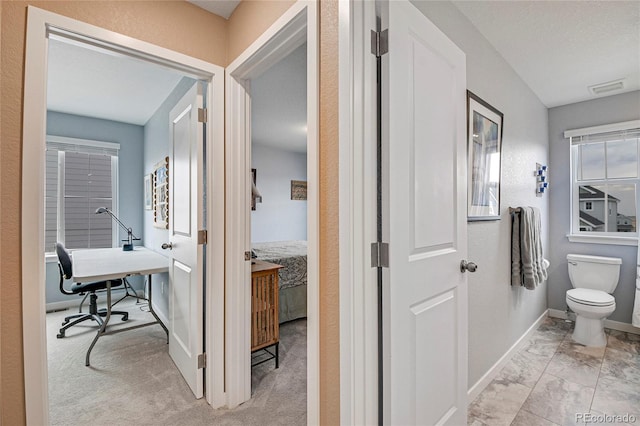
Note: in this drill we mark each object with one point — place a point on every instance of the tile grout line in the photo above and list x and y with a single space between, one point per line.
545 369
541 374
606 346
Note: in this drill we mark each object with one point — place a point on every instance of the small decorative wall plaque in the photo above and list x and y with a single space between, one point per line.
298 189
161 194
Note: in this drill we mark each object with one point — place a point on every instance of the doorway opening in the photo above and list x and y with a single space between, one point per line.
74 134
279 231
285 40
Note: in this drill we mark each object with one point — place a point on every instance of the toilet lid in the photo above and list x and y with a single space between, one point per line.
587 296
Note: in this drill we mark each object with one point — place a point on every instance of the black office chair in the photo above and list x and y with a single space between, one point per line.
66 272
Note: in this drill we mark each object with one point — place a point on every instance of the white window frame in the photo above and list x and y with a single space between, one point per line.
576 235
84 143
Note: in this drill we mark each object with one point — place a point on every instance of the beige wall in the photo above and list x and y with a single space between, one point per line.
182 27
329 236
249 21
176 25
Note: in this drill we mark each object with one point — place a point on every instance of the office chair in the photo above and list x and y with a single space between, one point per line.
129 291
66 272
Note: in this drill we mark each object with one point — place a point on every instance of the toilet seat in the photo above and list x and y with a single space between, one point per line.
585 296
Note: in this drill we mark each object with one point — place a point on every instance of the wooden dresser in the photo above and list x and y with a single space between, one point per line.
265 330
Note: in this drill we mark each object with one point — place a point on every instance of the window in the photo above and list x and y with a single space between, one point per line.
605 171
81 176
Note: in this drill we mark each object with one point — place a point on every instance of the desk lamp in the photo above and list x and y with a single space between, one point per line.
130 237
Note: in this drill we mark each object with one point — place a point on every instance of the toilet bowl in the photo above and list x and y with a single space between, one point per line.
593 279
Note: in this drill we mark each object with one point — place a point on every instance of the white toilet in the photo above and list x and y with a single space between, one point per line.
594 278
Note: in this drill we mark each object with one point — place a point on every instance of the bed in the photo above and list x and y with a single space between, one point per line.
292 278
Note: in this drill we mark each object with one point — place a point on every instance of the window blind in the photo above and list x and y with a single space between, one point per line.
619 135
78 181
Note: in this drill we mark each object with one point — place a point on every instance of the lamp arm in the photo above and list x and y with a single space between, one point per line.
122 225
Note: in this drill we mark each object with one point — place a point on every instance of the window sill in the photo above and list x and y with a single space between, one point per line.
603 239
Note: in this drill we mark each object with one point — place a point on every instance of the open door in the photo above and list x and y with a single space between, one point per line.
185 254
425 346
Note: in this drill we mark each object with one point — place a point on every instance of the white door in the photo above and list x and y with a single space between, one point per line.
185 219
426 340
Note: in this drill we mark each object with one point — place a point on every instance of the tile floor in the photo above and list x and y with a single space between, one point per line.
552 379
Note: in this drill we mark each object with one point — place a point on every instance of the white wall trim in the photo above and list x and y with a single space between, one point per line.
39 24
297 24
357 215
613 325
614 127
160 314
603 239
484 381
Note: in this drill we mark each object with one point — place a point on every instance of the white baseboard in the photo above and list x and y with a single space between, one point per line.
160 315
613 325
484 381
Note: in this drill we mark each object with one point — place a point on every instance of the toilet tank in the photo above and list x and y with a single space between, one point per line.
594 272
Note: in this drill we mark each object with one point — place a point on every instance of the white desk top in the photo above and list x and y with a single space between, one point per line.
111 263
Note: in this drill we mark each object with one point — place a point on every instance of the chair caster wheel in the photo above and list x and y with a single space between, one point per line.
60 335
125 317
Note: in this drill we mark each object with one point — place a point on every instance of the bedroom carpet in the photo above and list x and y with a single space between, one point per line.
133 381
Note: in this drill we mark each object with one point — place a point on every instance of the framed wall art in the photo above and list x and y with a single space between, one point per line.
484 132
161 194
298 189
148 191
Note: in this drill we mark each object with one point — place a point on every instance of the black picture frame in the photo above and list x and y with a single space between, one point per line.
484 159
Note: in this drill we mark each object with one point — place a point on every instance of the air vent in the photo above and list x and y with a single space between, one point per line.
599 89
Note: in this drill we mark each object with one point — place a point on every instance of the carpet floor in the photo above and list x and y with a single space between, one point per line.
133 381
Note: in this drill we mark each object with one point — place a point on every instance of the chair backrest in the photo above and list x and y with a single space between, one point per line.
65 261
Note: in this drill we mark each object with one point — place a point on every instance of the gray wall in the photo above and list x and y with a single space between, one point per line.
157 145
130 138
278 217
499 314
606 110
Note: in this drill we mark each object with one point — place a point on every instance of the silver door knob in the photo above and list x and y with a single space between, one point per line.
167 246
467 266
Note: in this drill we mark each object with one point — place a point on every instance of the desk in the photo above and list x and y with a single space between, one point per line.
114 263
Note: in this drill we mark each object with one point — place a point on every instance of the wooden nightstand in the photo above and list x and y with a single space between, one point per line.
265 330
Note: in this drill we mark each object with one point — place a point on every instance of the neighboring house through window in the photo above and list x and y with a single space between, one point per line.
81 176
605 175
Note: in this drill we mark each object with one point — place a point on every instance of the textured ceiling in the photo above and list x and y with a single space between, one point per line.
95 83
559 48
222 8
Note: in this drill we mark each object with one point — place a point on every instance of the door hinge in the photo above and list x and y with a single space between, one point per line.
379 42
202 361
379 255
202 115
202 236
247 255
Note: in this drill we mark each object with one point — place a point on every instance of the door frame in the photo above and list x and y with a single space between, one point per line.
297 24
357 215
39 24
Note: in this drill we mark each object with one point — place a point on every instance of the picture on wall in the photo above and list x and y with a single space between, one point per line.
298 189
253 190
148 191
161 194
484 127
